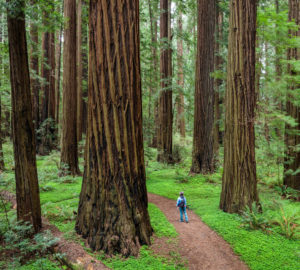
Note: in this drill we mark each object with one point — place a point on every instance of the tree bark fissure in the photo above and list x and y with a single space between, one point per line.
112 212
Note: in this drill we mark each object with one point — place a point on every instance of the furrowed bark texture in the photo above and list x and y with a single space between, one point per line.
112 211
202 161
180 98
239 187
292 134
69 152
165 99
27 188
57 73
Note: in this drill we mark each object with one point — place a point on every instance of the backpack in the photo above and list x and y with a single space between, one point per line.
181 204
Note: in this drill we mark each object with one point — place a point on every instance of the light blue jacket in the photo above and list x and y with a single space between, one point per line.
179 201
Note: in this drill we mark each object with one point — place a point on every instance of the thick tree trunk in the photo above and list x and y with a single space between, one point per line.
69 152
180 98
239 188
113 203
165 100
27 188
218 82
79 70
292 137
203 155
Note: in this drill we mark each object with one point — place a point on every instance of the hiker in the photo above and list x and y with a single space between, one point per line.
181 204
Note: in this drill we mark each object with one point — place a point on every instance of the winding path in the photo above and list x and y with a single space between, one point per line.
201 246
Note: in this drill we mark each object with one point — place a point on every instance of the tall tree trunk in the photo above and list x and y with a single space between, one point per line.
79 70
165 100
292 137
218 82
113 203
27 188
34 66
180 98
69 152
1 78
203 155
239 188
57 73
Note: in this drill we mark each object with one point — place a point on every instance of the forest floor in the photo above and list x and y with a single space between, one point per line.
200 245
210 240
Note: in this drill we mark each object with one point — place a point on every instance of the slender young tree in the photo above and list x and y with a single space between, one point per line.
27 188
69 152
292 137
165 100
203 155
180 98
239 187
57 71
112 211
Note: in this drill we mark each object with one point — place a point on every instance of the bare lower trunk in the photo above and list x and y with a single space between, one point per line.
203 155
69 152
292 137
27 188
165 100
112 211
239 187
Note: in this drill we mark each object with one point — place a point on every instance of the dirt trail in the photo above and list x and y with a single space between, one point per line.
201 246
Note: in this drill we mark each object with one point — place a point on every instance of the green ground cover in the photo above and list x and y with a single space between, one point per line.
260 250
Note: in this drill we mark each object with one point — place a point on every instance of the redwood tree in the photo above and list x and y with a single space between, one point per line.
27 188
112 211
165 113
180 98
69 152
292 135
1 74
239 187
203 154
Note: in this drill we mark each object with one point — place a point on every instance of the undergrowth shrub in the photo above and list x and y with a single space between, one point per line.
20 245
287 192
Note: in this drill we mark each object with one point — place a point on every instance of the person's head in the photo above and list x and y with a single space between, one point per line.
181 193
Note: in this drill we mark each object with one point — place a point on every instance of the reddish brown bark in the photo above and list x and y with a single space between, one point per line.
239 187
180 98
165 100
112 212
203 155
69 152
27 188
292 137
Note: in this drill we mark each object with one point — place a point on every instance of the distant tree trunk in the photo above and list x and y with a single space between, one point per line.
34 66
112 211
1 76
79 70
203 155
239 188
165 100
27 188
180 98
57 73
218 82
69 152
292 137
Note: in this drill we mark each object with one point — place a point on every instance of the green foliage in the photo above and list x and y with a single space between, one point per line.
289 223
287 192
254 219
